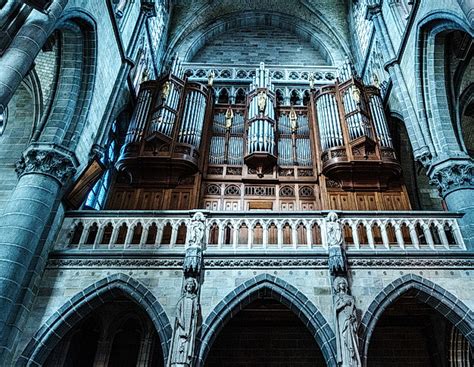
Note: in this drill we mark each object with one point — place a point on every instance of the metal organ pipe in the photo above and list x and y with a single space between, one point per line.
321 122
138 120
380 122
200 120
336 124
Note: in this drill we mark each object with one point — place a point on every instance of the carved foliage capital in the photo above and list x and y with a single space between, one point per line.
48 162
454 177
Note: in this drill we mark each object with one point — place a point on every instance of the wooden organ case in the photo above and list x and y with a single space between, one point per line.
187 149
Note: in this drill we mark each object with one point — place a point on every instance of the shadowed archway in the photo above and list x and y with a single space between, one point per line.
267 286
423 291
83 304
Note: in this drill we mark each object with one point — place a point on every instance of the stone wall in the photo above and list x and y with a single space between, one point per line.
368 282
262 44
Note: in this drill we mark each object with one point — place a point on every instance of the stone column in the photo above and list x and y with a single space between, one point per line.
421 147
455 180
42 171
17 60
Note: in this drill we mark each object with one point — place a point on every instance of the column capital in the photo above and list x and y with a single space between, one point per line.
47 160
452 175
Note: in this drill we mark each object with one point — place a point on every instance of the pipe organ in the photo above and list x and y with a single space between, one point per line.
195 146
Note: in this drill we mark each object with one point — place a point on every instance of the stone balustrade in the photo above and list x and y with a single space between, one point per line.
280 75
261 231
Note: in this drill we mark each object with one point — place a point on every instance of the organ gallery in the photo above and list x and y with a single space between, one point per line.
259 142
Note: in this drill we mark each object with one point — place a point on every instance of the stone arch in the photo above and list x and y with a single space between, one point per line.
466 100
187 44
74 83
423 196
428 292
430 72
278 289
83 303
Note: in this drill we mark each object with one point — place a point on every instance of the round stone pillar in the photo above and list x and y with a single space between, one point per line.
455 180
42 172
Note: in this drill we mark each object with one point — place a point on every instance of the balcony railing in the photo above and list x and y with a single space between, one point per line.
260 231
244 73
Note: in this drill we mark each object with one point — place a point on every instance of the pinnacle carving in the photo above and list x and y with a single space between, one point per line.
47 162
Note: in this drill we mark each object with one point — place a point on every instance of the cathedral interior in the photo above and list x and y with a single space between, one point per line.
216 183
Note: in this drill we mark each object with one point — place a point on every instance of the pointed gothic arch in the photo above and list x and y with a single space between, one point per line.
430 73
83 304
427 292
188 41
64 121
281 291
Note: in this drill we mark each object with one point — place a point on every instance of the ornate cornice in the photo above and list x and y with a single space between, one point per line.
46 161
260 263
454 177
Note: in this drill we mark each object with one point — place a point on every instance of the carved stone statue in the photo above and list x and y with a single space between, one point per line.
210 78
311 81
165 90
356 94
193 258
293 120
346 325
375 80
262 102
197 230
334 237
229 117
185 325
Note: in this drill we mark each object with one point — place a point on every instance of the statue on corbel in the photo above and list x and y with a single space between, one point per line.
346 325
188 308
344 306
334 239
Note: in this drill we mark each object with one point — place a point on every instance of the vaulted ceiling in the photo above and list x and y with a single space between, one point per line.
195 23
